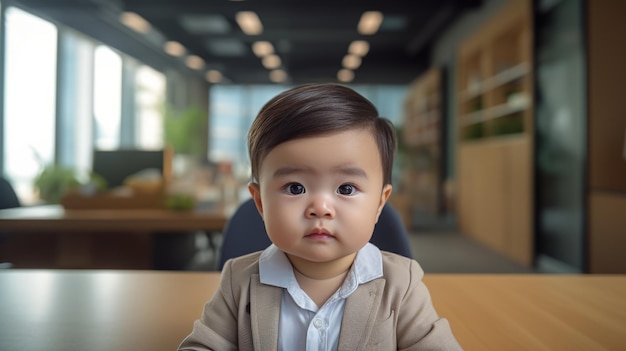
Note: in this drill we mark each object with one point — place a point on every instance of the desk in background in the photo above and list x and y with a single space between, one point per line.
52 237
131 310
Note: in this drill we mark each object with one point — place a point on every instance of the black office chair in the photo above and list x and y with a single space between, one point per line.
8 199
245 233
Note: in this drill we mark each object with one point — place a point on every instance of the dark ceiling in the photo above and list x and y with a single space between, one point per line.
310 37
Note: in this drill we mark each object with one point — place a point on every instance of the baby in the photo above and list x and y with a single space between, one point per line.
321 161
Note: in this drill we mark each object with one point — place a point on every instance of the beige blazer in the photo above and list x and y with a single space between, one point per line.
393 312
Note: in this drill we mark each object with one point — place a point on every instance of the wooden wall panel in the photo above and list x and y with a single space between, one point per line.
607 119
607 137
521 241
607 224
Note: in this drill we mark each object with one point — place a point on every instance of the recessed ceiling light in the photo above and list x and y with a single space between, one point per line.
214 76
370 22
262 48
278 76
359 48
249 22
345 75
135 22
351 61
194 62
174 48
271 61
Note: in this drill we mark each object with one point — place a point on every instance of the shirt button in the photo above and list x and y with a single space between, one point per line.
318 323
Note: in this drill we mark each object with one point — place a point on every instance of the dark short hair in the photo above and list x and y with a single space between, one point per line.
317 109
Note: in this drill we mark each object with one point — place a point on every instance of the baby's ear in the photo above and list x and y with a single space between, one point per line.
384 196
255 191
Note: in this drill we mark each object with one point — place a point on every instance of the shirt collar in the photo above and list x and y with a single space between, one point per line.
275 268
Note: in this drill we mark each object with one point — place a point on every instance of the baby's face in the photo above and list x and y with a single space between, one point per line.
322 195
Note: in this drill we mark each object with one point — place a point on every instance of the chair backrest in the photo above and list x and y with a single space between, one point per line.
8 197
245 233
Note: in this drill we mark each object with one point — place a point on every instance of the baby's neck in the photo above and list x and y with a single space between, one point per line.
320 280
319 290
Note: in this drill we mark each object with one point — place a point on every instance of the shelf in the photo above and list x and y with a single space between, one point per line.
506 76
495 112
494 121
423 141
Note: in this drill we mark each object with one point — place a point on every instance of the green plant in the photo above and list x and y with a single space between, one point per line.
185 130
54 181
474 131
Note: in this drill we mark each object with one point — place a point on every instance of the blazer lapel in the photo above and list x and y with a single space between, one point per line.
359 315
265 303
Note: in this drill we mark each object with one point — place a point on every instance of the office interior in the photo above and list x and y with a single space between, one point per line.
511 125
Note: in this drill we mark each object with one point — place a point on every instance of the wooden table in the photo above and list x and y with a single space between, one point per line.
52 237
138 310
53 218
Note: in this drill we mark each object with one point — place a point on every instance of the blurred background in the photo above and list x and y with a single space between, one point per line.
512 154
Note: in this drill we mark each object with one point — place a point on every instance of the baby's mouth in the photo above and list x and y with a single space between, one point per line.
319 234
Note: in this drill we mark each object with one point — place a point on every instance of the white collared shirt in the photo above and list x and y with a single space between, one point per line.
302 325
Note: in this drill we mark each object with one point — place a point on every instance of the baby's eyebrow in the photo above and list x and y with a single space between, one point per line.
344 170
283 171
352 171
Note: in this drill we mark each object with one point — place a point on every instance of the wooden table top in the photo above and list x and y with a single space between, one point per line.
147 310
54 218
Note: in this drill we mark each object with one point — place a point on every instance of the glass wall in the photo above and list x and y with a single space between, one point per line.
233 108
560 136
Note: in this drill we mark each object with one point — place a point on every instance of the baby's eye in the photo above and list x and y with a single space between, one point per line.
294 188
346 189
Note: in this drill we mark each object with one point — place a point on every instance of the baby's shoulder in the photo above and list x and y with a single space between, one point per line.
401 270
243 265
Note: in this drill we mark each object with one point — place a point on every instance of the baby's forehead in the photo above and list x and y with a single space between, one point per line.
327 149
345 131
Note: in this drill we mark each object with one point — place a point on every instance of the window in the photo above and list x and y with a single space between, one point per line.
150 97
75 110
107 97
29 99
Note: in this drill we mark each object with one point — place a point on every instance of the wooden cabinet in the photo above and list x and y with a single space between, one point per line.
422 144
495 133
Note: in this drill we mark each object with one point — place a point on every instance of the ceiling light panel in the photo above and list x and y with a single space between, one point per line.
205 24
227 47
393 23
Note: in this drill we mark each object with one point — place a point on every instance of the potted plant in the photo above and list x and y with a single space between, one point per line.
54 181
185 130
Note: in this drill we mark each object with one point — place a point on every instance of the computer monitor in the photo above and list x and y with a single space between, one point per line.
115 165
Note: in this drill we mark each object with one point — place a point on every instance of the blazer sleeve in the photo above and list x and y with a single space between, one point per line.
217 327
419 327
